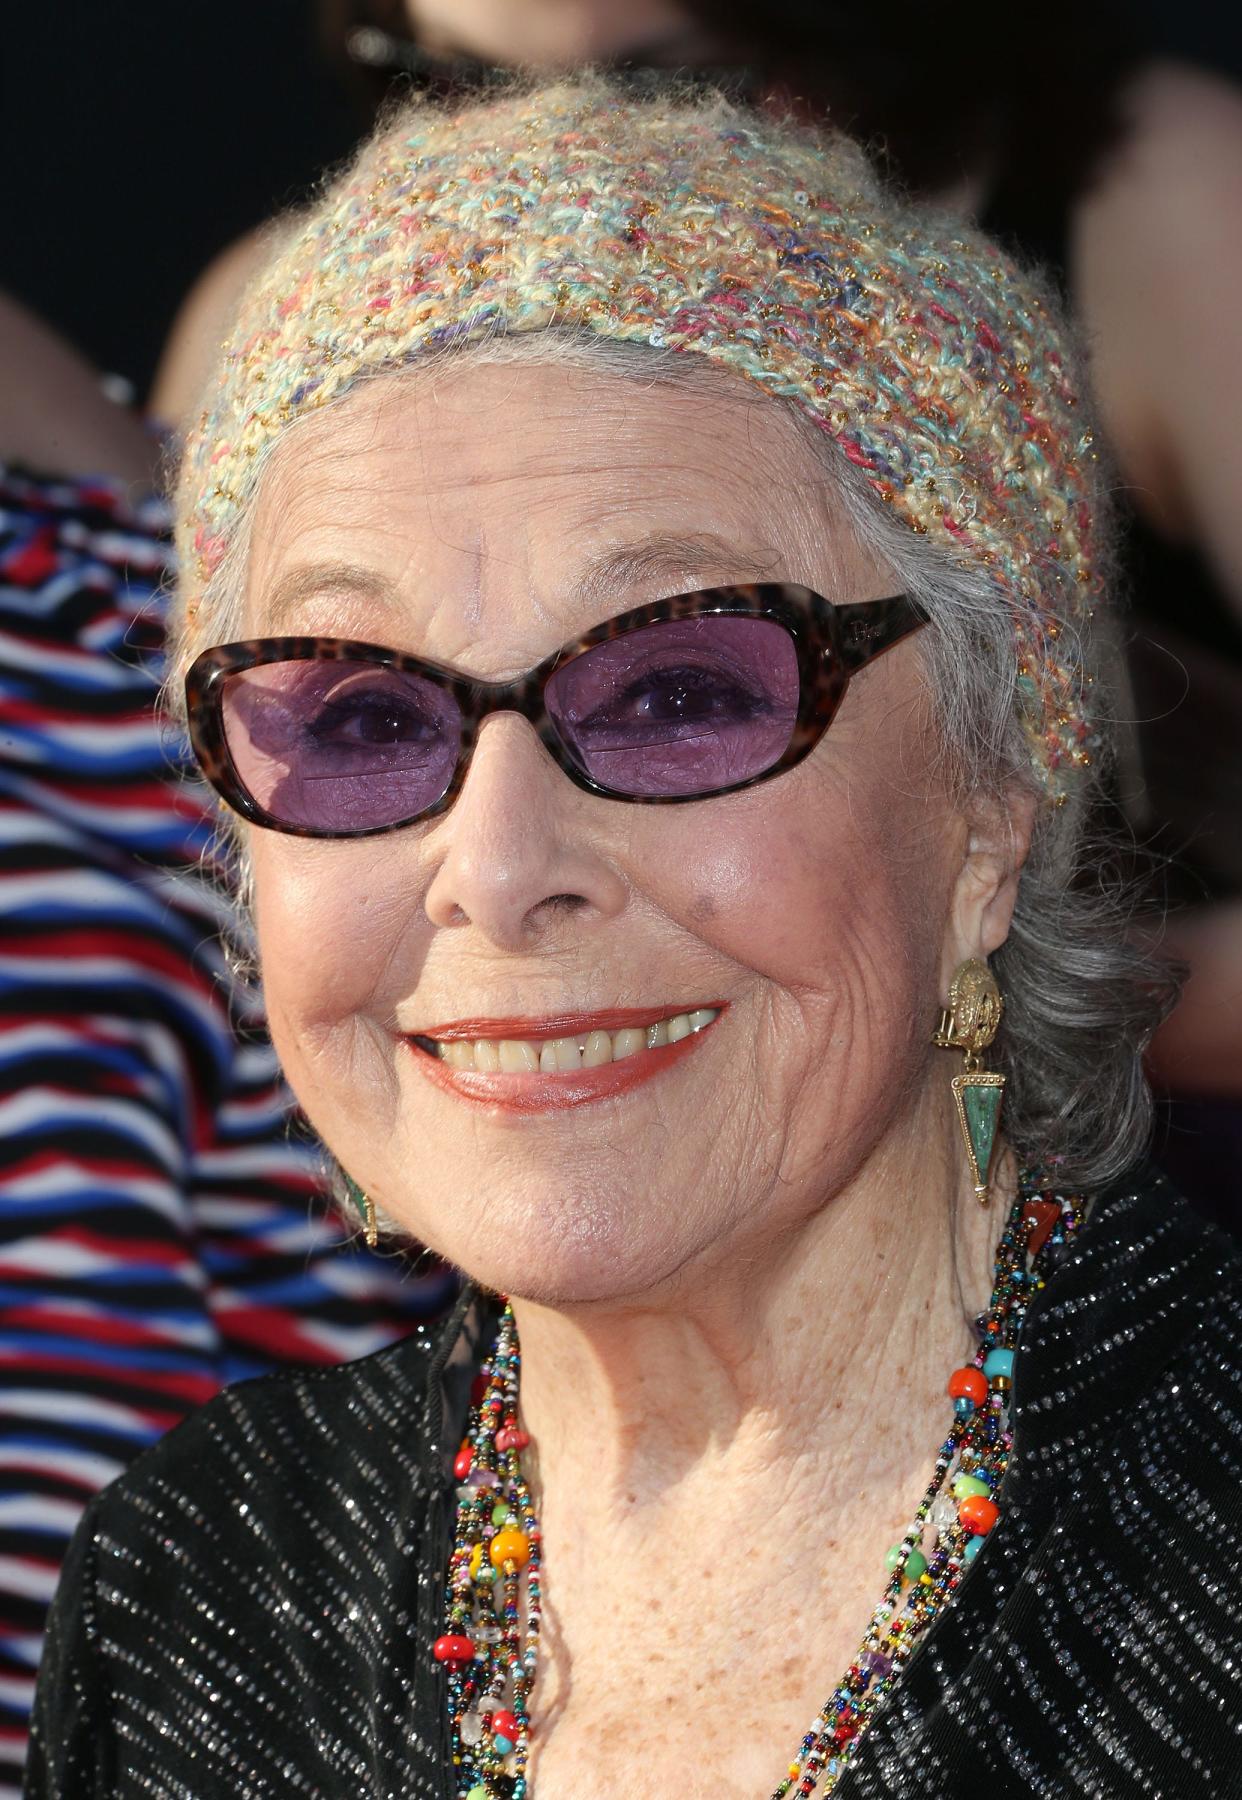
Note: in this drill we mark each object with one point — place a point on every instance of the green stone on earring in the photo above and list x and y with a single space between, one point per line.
982 1103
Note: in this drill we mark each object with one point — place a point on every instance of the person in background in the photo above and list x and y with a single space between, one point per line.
163 1229
1118 171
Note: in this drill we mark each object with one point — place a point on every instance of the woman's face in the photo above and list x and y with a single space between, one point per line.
482 520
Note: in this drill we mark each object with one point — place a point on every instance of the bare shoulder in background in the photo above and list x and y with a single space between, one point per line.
200 327
1156 252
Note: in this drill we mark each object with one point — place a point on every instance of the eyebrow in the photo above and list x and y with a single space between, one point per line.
316 581
666 554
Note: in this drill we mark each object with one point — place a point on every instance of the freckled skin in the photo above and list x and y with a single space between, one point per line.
730 1280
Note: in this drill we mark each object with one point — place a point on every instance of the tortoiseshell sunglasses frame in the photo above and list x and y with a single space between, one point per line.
832 642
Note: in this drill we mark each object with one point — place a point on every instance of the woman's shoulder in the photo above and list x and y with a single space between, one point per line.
1146 1256
1140 1322
314 1433
269 1554
1185 1313
1105 1607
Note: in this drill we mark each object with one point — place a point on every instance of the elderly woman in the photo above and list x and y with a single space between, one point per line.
641 601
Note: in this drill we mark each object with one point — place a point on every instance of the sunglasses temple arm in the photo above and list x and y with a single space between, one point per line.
869 627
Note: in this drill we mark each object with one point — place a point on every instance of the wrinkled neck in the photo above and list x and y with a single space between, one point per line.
819 1358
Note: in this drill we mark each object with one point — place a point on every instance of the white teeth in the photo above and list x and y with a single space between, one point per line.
556 1056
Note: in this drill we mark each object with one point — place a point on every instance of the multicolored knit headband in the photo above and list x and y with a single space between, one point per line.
931 359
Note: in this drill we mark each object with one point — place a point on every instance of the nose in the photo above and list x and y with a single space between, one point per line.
520 846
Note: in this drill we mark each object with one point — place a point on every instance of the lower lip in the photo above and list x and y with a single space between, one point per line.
549 1093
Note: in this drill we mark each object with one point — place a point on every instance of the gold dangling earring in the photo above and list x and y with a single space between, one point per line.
969 1023
366 1206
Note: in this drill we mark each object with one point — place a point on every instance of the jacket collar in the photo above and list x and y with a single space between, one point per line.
462 1341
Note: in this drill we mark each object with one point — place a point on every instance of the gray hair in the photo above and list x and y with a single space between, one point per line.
1084 990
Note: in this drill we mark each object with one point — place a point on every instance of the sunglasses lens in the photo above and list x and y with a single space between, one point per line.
340 747
688 706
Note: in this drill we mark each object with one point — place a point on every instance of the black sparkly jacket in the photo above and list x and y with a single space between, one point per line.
247 1611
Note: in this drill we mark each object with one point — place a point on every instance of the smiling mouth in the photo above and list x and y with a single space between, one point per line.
565 1054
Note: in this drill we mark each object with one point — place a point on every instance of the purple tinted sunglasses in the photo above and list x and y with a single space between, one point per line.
699 694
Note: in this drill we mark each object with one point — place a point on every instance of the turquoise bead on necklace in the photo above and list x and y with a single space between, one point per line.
489 1646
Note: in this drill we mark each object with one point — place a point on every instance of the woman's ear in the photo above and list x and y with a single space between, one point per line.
998 838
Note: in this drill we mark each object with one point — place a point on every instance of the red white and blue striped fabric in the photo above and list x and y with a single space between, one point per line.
163 1224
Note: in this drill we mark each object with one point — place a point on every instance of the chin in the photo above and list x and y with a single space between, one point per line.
565 1253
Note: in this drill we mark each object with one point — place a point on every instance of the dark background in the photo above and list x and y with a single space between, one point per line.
140 138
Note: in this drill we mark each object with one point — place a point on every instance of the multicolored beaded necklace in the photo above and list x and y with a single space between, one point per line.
491 1672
